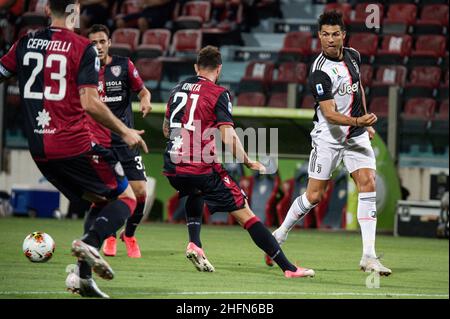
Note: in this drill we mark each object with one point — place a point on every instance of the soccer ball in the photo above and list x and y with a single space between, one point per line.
38 247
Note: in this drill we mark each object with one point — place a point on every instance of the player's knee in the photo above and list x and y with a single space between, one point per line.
367 184
130 202
314 197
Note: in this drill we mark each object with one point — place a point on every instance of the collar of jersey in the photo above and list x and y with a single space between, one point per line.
333 59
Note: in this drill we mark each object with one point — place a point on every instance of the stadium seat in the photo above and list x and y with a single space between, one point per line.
366 44
419 108
201 9
150 69
308 102
399 18
394 49
415 122
186 42
292 72
296 47
424 81
278 99
439 129
128 36
366 72
159 37
429 50
121 49
387 76
433 19
344 8
251 99
380 106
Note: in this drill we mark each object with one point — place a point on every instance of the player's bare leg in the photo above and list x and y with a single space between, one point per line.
367 219
267 242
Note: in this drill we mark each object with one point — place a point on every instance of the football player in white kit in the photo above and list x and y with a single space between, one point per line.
342 132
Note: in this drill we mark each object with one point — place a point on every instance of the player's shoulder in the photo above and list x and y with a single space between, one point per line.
117 59
353 52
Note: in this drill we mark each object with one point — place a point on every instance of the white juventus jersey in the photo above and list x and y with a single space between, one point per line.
339 80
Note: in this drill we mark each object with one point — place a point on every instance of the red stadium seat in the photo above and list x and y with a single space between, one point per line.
443 111
201 9
292 72
260 71
149 69
365 43
159 37
430 45
126 36
388 75
434 14
366 71
251 99
396 44
419 108
402 12
187 41
425 76
279 99
344 8
297 42
308 102
380 106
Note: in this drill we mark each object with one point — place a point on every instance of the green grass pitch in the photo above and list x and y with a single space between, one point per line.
420 266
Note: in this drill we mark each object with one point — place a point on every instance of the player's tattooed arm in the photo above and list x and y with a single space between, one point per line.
166 128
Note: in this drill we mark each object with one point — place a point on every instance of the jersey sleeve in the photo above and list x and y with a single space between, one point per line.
223 110
89 68
8 63
321 86
136 82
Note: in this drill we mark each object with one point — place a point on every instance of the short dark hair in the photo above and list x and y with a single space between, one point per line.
59 7
99 28
331 18
209 58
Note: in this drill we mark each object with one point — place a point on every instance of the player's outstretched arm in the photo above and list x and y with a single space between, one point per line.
328 108
101 113
230 138
146 105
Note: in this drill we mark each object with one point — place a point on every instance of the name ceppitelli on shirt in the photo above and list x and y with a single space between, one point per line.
54 46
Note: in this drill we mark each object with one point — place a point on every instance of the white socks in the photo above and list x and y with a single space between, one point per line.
367 218
299 208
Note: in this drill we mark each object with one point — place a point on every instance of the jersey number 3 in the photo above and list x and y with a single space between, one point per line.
59 76
184 99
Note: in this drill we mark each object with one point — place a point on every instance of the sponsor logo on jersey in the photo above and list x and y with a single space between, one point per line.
43 120
136 73
346 88
355 65
109 99
319 89
116 70
100 88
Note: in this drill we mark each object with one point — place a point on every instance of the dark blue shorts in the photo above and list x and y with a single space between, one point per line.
96 171
131 161
219 190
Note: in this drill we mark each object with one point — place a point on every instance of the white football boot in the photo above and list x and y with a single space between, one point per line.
369 264
83 287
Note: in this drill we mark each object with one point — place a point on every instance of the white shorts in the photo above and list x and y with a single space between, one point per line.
325 157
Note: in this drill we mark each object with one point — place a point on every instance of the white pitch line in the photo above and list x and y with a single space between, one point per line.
224 293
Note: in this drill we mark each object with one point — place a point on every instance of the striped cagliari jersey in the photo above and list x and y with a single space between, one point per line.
339 80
